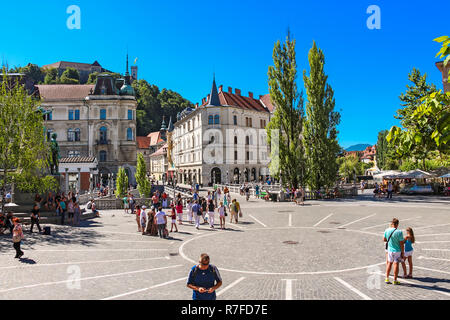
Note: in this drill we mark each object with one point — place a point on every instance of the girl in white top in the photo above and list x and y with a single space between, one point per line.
222 210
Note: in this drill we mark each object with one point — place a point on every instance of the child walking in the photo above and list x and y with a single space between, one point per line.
179 209
409 240
222 211
173 216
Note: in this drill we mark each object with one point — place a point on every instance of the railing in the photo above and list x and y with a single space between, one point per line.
113 204
102 142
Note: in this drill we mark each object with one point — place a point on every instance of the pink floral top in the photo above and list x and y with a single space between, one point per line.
17 231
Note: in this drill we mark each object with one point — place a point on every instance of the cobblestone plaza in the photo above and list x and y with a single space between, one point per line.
278 251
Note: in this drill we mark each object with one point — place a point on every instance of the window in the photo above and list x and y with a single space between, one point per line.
130 114
48 116
70 135
102 156
248 155
77 114
235 120
49 134
73 154
235 156
250 122
102 114
235 140
246 121
70 114
247 140
103 135
130 134
210 120
216 119
77 134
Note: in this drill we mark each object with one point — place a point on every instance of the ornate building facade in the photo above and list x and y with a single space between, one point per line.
223 140
95 121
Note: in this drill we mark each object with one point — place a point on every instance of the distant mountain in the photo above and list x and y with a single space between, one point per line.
358 147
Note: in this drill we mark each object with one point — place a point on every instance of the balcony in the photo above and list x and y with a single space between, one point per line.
103 142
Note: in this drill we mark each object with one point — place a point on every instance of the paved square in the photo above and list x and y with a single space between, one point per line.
324 250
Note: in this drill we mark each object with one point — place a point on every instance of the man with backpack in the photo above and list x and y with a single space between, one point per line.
204 279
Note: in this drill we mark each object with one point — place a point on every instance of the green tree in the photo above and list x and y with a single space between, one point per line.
286 123
93 76
444 52
121 183
33 72
23 146
153 104
51 76
412 98
386 159
70 76
431 131
143 184
321 122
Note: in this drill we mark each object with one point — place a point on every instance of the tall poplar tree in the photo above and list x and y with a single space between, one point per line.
320 127
144 186
285 128
121 183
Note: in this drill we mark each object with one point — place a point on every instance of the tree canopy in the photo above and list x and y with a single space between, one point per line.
70 76
24 149
153 104
285 127
321 123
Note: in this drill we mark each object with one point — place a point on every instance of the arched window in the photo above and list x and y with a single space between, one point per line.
235 140
210 119
102 156
247 140
102 114
103 135
130 134
216 119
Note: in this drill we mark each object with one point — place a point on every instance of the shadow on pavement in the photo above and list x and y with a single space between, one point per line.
27 261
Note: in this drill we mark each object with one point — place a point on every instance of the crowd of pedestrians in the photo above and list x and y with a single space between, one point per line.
199 210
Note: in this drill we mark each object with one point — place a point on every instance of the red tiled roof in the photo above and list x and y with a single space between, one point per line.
235 100
155 138
143 142
266 101
50 92
160 151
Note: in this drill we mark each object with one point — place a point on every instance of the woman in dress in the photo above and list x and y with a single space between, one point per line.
17 237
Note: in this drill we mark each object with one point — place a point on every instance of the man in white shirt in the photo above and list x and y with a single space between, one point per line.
161 221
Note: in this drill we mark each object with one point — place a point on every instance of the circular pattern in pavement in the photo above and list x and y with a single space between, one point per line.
264 251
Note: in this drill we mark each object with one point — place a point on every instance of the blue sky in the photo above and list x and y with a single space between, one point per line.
181 43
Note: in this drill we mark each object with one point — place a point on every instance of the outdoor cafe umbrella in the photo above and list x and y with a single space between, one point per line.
415 174
445 175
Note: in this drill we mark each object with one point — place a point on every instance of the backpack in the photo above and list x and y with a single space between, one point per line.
89 206
211 268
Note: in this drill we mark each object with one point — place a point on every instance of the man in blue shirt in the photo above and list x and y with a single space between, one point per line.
197 214
395 249
204 279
